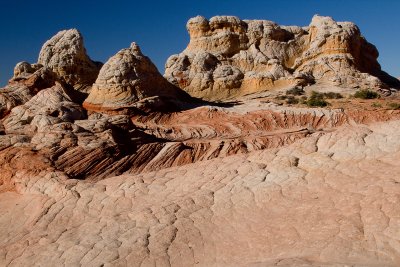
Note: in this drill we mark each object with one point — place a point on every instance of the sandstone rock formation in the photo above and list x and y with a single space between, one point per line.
28 80
117 181
47 108
62 59
228 57
328 200
127 78
23 70
66 56
98 146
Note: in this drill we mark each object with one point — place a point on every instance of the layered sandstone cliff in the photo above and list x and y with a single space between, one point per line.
228 57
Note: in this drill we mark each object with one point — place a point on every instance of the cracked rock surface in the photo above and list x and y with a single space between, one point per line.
328 200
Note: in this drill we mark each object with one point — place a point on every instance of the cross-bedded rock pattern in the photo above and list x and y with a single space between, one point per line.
327 200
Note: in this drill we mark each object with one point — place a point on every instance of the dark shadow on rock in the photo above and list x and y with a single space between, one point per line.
75 95
389 80
161 104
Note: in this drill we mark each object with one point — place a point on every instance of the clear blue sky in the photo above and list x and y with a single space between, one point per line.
158 26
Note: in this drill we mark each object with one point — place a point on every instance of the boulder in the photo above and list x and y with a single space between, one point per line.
24 70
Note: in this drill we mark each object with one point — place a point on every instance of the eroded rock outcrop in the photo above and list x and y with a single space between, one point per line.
42 112
66 56
24 70
229 57
242 183
63 59
127 78
100 145
27 81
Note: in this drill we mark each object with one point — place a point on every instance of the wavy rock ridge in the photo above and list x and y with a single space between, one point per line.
323 201
228 57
